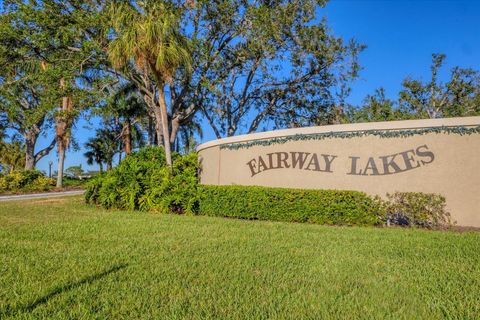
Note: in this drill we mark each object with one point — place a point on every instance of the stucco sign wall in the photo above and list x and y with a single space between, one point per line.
436 156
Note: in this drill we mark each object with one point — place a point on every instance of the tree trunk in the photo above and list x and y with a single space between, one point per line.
61 162
154 122
101 167
127 137
164 122
151 131
158 126
174 133
63 125
30 140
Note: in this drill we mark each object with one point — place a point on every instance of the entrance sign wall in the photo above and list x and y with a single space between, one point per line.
433 156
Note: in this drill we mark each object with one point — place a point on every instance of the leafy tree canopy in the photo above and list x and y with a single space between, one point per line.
259 62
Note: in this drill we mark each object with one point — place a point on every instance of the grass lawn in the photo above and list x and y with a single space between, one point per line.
60 258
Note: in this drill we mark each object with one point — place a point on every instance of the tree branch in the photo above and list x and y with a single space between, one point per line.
260 116
42 153
210 121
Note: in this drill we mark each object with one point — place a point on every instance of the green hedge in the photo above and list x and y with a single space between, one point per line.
334 207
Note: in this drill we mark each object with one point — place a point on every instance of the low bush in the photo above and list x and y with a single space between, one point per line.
25 180
417 209
142 182
69 182
333 207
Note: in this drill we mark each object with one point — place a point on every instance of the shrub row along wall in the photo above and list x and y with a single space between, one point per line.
142 182
337 207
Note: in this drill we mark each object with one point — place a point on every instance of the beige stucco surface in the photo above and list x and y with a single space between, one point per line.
454 172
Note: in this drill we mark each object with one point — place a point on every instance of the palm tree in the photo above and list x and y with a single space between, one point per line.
102 148
95 152
126 105
148 36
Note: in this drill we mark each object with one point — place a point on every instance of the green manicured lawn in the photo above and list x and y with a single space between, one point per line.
62 259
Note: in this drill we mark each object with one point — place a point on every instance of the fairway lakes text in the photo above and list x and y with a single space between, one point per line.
371 166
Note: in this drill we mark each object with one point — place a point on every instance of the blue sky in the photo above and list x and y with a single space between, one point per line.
400 38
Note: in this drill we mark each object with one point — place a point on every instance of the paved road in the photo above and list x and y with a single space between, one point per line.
41 195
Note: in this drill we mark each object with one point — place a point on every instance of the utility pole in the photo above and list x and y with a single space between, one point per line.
50 163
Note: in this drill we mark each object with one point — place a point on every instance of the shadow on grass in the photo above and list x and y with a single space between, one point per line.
29 307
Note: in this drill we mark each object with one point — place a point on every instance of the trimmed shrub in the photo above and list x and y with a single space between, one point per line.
142 182
25 180
42 183
333 207
426 210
